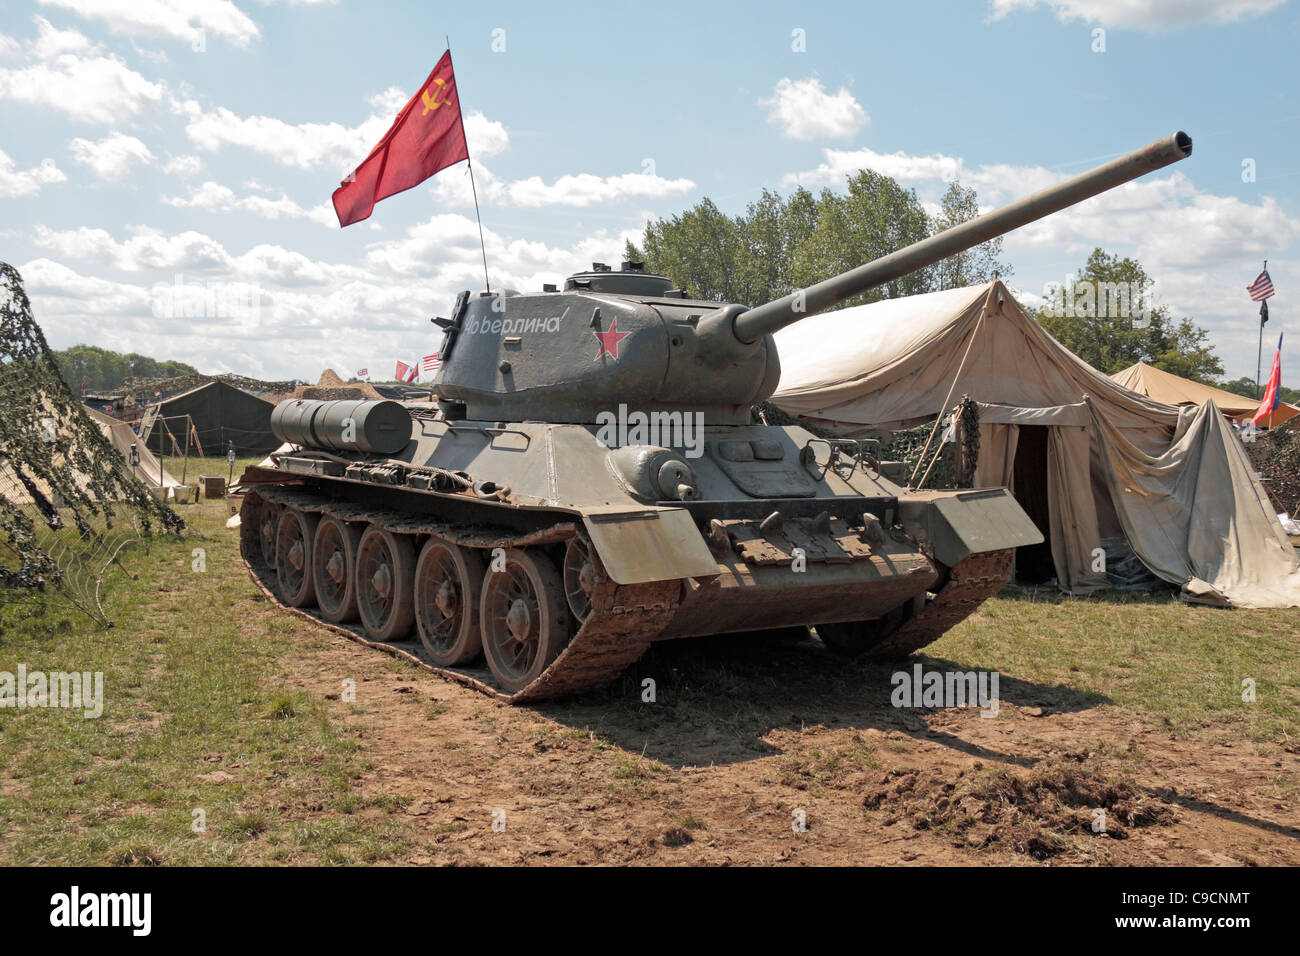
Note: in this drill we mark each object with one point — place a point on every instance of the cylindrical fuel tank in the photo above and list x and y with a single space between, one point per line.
375 427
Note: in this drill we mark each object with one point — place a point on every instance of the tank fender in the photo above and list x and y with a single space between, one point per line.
640 545
954 525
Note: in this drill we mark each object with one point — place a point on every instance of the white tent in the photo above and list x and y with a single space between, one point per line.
1091 461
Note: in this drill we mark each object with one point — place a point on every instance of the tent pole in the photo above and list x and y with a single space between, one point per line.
186 466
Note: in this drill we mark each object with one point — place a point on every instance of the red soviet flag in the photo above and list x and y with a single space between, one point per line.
428 135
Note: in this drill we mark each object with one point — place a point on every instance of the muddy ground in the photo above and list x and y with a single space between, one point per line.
770 751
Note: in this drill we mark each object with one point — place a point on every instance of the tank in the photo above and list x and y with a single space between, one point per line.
591 479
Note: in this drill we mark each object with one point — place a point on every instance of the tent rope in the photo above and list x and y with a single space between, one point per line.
911 482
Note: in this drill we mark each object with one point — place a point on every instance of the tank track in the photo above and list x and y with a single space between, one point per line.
618 630
970 583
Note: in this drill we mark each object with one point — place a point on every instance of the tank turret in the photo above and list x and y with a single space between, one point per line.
627 336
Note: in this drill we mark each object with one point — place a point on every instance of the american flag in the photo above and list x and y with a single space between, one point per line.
432 363
1261 288
362 372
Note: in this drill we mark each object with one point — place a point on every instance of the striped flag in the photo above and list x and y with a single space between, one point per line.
362 372
432 363
1261 288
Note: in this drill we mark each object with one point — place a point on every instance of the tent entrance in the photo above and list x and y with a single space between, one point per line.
1034 563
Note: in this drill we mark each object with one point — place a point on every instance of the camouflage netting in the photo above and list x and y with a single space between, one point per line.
1275 454
144 388
956 459
68 501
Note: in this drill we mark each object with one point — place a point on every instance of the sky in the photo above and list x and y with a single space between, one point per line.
166 166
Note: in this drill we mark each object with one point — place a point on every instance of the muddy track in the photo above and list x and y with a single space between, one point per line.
624 619
622 622
970 583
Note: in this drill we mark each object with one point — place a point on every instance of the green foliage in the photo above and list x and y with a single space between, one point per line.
1245 386
1105 315
104 370
780 244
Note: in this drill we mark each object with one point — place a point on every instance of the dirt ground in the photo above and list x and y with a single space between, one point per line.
749 737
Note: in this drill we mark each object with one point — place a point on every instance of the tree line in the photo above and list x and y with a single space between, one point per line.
103 370
783 243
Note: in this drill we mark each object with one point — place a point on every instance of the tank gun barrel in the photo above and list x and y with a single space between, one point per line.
751 325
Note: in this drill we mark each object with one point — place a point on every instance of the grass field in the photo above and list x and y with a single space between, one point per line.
218 711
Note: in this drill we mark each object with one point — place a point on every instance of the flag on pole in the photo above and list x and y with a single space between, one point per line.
432 363
402 369
1271 397
1263 314
362 372
414 373
1261 288
427 136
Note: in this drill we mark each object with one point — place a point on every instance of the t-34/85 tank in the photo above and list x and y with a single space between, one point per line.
591 480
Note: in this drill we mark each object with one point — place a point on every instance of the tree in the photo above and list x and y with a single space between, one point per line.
1106 315
1245 386
974 266
103 369
780 244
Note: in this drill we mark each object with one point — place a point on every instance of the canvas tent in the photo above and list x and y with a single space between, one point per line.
221 414
121 437
1175 390
1093 463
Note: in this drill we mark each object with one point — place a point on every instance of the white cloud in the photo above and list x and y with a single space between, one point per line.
1149 15
184 165
217 198
26 182
113 156
312 313
585 189
66 72
190 21
804 110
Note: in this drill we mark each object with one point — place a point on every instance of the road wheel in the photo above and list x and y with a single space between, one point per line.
448 582
334 559
294 536
523 616
582 573
385 573
268 524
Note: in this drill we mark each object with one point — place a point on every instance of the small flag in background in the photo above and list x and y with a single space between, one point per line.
1263 313
402 369
362 372
432 363
1261 288
414 373
1271 397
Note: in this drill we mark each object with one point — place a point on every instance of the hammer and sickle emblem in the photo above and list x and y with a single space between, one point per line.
431 102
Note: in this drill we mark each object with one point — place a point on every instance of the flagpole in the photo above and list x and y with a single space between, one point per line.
460 116
1259 354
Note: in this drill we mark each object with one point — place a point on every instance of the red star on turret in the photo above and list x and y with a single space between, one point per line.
609 340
